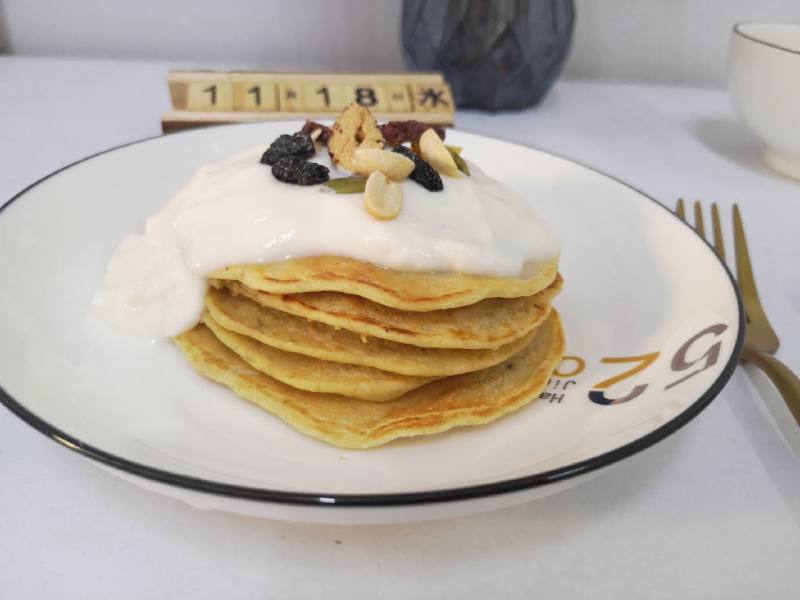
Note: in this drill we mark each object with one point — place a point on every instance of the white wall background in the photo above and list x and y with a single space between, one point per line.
669 41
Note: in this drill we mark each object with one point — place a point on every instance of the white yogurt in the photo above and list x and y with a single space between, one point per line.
235 212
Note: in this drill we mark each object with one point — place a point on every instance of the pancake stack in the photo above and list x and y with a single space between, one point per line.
357 355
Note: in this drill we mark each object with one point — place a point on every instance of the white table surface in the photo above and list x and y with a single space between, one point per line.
711 512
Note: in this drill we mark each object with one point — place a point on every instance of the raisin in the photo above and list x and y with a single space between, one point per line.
314 173
311 126
292 169
423 173
399 132
298 145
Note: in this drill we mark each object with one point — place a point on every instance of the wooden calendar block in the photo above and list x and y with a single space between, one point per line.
432 98
210 95
255 95
202 98
369 95
399 98
325 97
291 96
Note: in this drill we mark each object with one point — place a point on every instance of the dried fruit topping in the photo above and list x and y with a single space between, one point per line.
355 128
423 173
399 132
292 169
324 132
348 185
455 152
382 198
298 145
395 166
434 151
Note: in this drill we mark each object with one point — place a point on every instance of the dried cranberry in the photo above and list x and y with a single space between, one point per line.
399 132
325 134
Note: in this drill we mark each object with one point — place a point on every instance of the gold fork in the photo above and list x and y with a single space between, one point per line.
760 340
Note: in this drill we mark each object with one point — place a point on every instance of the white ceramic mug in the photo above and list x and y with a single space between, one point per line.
764 82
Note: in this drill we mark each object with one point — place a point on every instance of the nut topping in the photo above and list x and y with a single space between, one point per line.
383 199
433 150
395 166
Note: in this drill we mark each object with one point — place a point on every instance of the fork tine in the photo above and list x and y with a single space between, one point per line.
680 210
719 243
747 283
698 219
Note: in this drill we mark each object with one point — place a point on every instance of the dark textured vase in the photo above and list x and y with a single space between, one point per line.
498 54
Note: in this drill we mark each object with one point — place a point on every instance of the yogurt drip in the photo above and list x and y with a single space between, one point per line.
235 212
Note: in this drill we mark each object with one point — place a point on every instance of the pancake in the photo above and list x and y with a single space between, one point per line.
471 399
296 334
313 374
488 324
404 290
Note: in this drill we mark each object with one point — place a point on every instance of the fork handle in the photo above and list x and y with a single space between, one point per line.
787 382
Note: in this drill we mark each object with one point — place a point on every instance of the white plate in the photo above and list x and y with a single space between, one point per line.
637 282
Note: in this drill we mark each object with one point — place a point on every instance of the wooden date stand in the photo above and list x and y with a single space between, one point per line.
202 98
